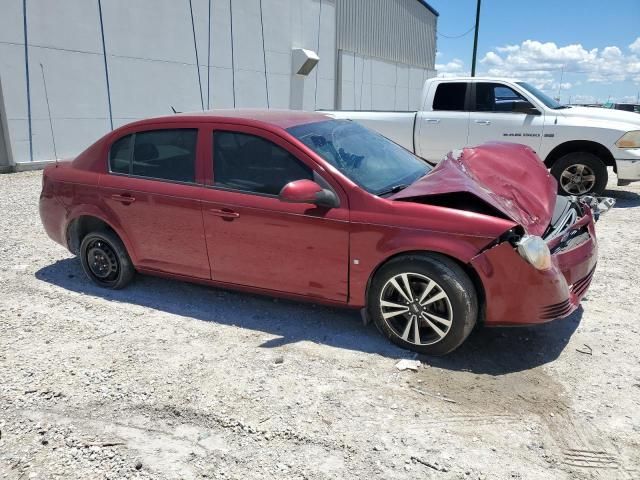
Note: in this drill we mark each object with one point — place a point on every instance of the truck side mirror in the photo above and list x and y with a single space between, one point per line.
526 108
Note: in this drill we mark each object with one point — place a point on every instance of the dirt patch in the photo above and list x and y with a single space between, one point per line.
171 380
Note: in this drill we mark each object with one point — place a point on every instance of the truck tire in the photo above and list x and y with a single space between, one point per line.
580 173
423 302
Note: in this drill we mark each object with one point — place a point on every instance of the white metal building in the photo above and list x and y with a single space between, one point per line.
94 65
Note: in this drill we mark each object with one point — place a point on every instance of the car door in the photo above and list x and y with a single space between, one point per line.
446 126
151 189
499 113
256 240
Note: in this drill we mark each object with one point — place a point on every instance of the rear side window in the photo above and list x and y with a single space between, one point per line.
450 96
254 164
120 155
165 155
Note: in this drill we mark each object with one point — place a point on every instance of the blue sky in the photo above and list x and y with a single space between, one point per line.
596 43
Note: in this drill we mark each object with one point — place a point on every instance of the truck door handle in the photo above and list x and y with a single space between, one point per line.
225 213
125 198
432 121
483 122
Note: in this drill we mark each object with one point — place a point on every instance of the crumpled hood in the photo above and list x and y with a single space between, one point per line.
507 176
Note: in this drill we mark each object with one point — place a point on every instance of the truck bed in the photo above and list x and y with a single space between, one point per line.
396 126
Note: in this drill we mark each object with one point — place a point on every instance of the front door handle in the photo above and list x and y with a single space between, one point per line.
225 213
483 122
125 199
432 121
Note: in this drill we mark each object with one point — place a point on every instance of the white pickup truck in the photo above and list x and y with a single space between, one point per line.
576 143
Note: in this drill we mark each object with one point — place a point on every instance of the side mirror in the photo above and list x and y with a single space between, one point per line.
308 191
526 108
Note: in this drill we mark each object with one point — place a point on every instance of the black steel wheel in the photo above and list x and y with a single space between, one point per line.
105 260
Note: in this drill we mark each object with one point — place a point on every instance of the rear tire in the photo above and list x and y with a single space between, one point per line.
424 303
105 260
580 173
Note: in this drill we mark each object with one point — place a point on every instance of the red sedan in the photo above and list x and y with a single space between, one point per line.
308 207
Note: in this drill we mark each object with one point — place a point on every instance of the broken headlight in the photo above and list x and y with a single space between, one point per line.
535 251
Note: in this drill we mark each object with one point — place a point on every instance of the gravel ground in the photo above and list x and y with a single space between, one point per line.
172 380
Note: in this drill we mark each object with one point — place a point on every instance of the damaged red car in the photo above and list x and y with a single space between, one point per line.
304 206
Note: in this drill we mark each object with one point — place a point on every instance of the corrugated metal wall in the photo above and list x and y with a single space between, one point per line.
149 53
402 31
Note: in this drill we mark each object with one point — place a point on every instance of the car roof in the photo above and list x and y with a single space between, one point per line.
278 118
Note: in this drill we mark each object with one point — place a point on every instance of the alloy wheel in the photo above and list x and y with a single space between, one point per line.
416 308
577 179
102 261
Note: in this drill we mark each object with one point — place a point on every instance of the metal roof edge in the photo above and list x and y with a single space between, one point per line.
429 7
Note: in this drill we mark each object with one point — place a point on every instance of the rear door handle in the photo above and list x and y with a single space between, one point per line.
432 121
224 213
125 198
483 122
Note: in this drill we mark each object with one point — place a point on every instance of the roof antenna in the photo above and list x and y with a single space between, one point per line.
46 96
174 110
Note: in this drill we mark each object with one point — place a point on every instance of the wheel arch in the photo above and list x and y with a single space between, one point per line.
466 268
573 146
85 222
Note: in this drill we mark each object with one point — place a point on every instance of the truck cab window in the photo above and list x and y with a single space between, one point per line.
495 97
450 96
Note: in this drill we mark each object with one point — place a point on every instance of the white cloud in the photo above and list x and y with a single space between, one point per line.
541 63
454 68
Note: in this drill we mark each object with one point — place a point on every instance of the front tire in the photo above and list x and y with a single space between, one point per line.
105 260
580 173
424 303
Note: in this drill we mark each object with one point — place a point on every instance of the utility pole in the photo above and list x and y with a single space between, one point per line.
475 41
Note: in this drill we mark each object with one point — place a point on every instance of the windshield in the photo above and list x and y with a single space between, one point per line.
543 97
365 157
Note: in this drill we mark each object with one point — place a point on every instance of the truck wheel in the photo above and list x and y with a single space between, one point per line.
424 303
105 260
580 173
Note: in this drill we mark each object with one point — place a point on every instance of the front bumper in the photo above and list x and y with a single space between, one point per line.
628 168
516 293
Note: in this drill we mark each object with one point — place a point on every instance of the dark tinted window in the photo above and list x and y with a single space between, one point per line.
450 96
494 97
165 154
247 162
120 155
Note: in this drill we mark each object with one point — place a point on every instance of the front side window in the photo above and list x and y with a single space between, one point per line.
543 97
495 97
254 164
120 155
165 155
367 158
450 96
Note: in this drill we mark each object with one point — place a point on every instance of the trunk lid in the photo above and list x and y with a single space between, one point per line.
507 176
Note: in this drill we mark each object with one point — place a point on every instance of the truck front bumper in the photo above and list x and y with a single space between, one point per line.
628 168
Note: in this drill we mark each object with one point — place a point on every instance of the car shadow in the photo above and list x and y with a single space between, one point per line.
494 351
624 198
502 350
